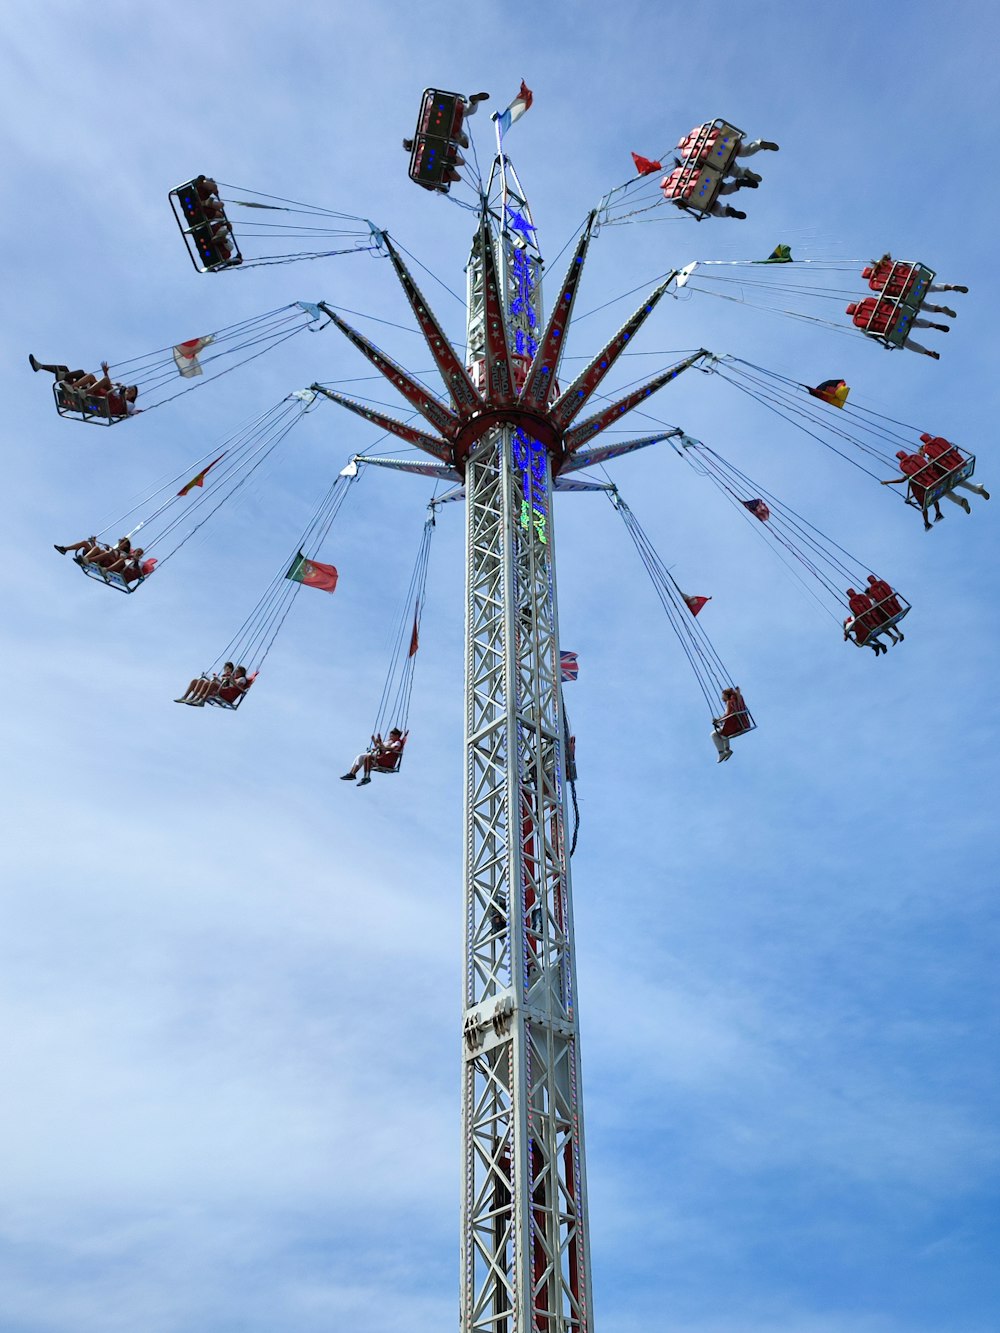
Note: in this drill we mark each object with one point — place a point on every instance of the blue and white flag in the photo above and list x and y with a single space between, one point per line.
517 108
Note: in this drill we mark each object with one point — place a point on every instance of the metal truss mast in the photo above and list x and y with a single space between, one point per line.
509 435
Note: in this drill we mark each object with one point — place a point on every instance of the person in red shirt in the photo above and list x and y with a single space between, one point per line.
229 685
202 687
232 690
947 458
119 398
734 722
129 565
383 755
921 474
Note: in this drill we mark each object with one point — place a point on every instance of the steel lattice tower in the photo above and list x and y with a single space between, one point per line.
508 438
525 1252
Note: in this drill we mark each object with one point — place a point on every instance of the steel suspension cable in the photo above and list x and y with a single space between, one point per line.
394 704
706 665
255 637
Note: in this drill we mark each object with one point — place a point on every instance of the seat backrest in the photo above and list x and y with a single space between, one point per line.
189 201
441 114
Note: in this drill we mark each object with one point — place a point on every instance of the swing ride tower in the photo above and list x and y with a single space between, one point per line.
508 438
525 1249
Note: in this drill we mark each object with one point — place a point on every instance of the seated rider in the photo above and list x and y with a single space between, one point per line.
230 691
696 146
863 623
92 552
71 379
222 240
453 160
208 196
383 756
228 685
893 278
679 186
456 138
131 565
921 474
885 605
202 686
213 209
878 319
733 722
120 398
947 458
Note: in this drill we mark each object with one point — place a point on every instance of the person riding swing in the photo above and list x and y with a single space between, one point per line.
381 757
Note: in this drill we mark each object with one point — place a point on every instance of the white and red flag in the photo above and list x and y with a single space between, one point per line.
517 108
186 356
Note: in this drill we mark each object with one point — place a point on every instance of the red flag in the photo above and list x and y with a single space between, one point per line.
643 165
415 636
313 574
199 480
694 604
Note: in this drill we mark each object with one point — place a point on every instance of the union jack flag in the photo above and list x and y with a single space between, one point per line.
569 668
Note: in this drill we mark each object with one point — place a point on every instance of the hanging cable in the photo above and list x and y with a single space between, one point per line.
394 704
254 639
208 482
705 663
863 431
224 230
791 536
151 378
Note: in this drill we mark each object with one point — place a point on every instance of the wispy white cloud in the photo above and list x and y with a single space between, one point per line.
230 983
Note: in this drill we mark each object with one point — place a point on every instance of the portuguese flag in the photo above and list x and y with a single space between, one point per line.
312 574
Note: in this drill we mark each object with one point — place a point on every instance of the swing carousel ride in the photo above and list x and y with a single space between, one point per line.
506 434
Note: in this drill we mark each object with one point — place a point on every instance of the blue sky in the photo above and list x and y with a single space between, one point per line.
230 984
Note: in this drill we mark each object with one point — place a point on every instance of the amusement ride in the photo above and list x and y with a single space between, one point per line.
507 433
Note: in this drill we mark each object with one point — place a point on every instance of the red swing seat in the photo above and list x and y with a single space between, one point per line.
110 580
389 763
231 705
